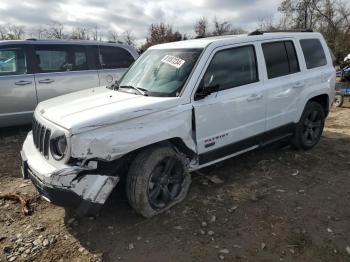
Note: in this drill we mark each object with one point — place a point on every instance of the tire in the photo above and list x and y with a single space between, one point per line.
157 180
338 101
309 129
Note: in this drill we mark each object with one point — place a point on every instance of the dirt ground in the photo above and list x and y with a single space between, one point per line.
273 204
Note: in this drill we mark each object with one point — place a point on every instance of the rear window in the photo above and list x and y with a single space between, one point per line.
52 59
313 53
115 57
79 58
280 59
60 58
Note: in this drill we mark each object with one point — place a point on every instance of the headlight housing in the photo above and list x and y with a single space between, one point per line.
58 147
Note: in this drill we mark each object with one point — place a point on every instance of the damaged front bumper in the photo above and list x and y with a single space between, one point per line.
69 186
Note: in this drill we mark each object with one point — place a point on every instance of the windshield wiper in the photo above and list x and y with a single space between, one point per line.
141 91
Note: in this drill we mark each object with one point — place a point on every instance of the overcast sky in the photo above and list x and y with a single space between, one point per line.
135 15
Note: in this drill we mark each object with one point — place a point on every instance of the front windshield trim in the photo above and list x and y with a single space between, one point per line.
182 86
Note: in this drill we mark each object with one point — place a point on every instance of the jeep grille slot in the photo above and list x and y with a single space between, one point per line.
41 137
47 142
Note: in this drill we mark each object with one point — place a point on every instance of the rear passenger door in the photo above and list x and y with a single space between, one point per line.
17 87
284 84
114 62
62 69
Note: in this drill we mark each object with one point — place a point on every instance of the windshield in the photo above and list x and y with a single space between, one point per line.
161 72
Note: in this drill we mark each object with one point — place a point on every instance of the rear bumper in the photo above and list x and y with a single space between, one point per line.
72 186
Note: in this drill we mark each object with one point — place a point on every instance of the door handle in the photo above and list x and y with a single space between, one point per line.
23 83
299 84
254 97
46 81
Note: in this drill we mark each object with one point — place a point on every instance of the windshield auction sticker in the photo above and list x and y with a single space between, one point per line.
173 61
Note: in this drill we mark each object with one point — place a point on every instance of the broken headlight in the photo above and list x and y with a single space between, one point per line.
58 147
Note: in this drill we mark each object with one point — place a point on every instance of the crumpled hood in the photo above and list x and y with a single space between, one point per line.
96 107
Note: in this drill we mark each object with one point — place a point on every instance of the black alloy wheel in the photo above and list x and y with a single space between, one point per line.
309 129
165 182
157 180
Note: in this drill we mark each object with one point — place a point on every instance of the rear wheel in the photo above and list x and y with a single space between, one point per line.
338 101
310 127
157 180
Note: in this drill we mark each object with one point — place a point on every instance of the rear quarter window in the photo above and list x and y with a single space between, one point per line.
313 53
112 57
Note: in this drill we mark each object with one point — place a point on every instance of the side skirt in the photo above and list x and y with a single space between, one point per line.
245 145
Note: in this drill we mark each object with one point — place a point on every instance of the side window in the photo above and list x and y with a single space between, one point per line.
313 53
280 59
12 61
292 57
79 58
232 67
115 57
52 59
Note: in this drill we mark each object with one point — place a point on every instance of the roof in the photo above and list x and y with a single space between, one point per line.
69 42
232 39
59 41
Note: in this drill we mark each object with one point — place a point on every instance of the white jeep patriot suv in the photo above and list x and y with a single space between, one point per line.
180 107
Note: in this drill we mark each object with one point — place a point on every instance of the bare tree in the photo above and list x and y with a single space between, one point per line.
221 28
55 30
129 39
265 23
3 32
80 33
38 32
330 17
113 35
15 32
161 33
201 27
95 33
301 13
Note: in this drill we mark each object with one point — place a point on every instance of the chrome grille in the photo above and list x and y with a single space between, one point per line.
41 137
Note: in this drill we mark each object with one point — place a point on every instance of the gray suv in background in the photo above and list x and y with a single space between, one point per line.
32 71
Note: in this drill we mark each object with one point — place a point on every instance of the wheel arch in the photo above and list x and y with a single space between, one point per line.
124 162
176 142
323 100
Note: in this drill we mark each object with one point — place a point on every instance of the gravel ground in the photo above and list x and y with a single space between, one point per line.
273 204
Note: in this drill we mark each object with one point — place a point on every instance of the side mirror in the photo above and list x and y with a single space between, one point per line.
203 92
114 86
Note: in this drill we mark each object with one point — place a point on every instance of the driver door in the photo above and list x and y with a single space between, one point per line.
230 120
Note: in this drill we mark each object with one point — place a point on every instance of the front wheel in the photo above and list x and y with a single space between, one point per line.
309 129
157 180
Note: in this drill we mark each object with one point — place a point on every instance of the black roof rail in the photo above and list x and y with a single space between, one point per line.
31 39
261 32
